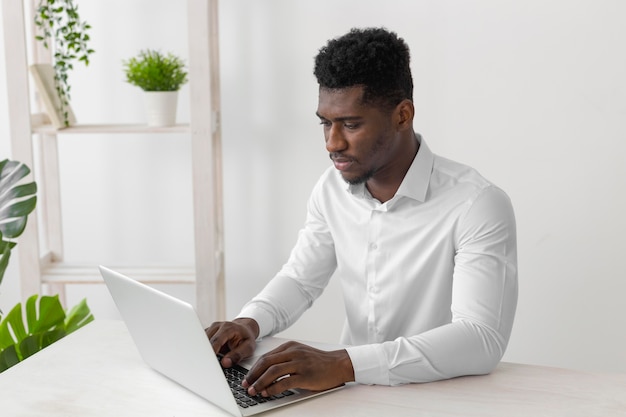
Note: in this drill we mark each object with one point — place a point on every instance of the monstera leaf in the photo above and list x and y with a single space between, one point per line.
44 321
17 201
44 324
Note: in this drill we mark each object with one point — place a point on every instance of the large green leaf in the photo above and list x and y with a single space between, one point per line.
78 316
10 173
28 346
12 327
41 323
6 337
17 201
35 342
8 358
14 216
49 315
5 256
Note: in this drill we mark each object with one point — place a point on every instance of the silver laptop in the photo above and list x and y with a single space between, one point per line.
171 340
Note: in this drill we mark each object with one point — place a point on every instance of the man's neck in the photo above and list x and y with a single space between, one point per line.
383 186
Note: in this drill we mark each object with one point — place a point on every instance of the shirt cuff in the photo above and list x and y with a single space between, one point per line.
264 319
369 363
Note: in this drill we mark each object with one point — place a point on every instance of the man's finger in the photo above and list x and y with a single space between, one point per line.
237 354
212 329
268 373
218 340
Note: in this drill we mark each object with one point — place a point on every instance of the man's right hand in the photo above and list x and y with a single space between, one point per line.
235 339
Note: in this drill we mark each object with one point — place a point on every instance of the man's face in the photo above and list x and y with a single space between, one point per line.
358 137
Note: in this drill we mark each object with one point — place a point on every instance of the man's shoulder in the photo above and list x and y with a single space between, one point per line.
462 183
448 173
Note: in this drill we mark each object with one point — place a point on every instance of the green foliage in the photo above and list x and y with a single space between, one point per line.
17 201
62 30
153 71
45 321
44 324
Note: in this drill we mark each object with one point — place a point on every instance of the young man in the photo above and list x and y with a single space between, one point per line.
425 248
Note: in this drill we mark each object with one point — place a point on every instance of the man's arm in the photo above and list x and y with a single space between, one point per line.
294 365
483 305
484 299
283 300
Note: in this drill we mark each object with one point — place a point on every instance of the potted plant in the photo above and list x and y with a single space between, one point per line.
45 321
160 76
61 29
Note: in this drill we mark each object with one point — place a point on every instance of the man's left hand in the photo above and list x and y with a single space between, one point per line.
294 365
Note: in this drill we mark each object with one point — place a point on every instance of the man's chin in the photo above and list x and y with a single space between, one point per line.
356 180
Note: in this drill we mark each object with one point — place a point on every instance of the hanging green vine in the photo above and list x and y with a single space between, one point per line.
66 36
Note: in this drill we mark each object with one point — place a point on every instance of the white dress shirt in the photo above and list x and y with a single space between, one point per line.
429 277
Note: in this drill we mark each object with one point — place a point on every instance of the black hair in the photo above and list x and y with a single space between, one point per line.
374 58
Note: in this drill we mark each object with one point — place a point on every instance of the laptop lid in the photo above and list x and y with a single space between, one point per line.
171 340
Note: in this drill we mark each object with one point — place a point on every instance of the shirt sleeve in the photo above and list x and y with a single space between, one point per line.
483 306
300 281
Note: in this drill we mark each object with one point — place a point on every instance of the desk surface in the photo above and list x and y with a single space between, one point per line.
97 371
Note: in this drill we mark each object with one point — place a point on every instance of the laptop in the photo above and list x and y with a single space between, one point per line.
171 340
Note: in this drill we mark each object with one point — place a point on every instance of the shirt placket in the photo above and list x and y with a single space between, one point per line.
373 255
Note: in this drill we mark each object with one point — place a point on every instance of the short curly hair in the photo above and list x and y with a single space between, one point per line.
372 57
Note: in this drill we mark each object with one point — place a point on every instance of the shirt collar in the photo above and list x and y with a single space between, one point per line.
415 182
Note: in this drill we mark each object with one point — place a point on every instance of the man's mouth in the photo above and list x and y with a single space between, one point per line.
342 163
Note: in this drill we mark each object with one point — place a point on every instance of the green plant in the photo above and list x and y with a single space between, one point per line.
45 321
153 71
16 203
58 21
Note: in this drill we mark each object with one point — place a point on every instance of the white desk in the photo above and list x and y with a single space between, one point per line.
98 372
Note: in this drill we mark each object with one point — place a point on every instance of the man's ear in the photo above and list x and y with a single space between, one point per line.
404 115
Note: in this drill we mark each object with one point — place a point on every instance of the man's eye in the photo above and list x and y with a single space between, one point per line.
351 126
325 123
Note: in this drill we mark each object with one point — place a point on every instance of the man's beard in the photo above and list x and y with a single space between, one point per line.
360 180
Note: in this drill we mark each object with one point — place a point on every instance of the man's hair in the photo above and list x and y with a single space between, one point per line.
373 58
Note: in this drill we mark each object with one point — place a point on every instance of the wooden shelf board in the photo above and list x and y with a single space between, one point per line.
110 128
66 273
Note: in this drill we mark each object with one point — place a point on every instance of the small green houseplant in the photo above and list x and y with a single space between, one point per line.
160 76
45 321
151 70
62 31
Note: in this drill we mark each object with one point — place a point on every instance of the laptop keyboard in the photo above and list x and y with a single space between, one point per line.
235 375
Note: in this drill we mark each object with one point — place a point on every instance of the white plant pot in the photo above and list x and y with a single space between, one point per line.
161 107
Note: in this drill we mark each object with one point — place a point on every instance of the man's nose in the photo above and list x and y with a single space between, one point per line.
335 140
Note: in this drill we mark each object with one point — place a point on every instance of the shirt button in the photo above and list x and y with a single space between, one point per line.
373 246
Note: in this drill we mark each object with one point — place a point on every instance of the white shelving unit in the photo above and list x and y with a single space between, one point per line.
27 132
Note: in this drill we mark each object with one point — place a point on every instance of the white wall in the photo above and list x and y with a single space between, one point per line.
530 93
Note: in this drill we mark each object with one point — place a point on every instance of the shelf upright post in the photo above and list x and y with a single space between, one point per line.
49 201
21 135
206 158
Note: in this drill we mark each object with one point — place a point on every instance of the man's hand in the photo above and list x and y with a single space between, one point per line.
294 365
235 339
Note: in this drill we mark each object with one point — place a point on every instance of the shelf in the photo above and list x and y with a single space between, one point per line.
110 129
42 157
66 273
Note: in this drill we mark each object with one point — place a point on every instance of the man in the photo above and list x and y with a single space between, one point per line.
425 248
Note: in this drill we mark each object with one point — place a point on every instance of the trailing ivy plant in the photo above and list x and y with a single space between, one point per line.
62 31
45 321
